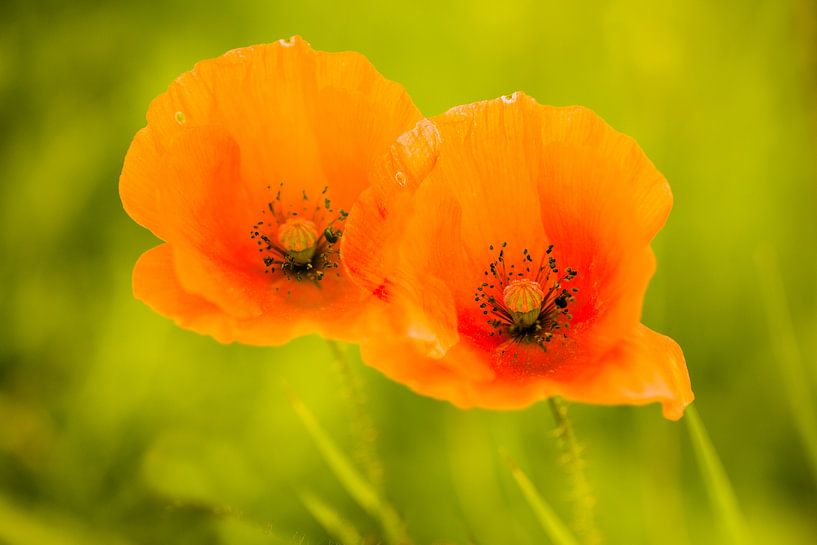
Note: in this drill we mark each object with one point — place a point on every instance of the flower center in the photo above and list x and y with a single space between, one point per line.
526 303
524 299
298 238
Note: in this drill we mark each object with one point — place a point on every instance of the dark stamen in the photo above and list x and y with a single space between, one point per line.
297 266
528 326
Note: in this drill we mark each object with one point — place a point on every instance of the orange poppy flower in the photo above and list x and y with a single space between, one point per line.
513 241
246 169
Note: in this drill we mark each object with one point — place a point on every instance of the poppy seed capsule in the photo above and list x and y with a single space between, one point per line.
524 299
298 237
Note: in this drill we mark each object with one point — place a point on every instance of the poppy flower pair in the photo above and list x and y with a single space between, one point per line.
491 256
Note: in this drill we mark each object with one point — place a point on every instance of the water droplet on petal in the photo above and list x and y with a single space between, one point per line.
510 99
180 118
287 42
400 178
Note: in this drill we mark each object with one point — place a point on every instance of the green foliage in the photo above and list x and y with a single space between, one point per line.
118 427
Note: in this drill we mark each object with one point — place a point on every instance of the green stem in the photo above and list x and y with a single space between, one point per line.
362 424
583 498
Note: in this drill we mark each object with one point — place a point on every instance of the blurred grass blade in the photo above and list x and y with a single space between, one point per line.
334 524
717 483
351 479
796 379
557 531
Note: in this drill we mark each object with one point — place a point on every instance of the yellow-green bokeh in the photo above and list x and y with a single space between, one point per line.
117 427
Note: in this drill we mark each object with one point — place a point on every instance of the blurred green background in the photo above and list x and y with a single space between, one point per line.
118 428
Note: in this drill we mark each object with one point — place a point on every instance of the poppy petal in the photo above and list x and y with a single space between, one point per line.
285 105
378 217
599 201
203 213
219 144
458 377
191 193
500 185
644 367
155 283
